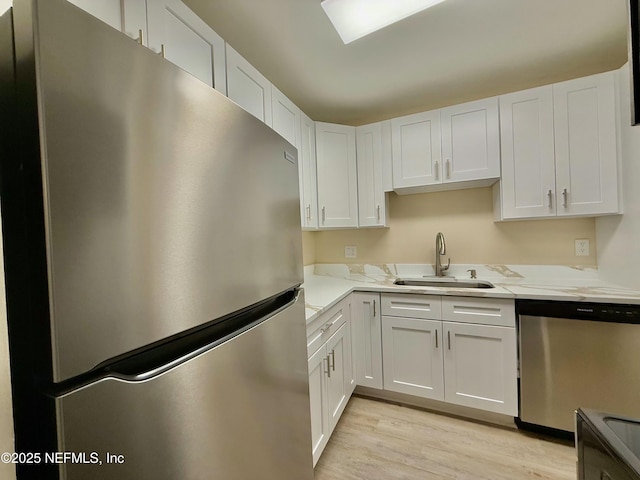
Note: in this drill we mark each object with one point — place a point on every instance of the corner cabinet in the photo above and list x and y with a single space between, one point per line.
455 147
460 350
559 150
331 371
337 175
370 153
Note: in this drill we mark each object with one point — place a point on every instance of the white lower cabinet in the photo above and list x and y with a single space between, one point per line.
318 368
480 367
460 350
331 372
367 339
412 350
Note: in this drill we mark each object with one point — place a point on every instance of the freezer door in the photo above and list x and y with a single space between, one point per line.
239 411
166 205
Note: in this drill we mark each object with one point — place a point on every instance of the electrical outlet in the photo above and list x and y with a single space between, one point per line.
350 252
582 247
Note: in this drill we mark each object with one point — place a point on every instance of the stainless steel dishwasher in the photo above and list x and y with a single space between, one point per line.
575 355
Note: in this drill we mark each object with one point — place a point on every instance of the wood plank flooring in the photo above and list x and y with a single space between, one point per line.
375 440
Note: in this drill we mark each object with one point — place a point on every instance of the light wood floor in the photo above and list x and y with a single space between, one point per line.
380 441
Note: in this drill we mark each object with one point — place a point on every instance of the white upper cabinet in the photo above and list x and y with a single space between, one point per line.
187 41
470 141
586 145
416 149
307 173
372 201
559 150
337 178
456 147
286 117
528 168
109 11
248 87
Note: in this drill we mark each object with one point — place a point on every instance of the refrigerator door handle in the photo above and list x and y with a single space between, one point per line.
160 359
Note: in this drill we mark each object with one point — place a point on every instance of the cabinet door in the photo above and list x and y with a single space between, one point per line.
415 143
371 196
337 178
367 334
286 117
528 159
412 352
248 87
586 145
187 41
109 11
318 371
471 141
307 173
480 367
338 390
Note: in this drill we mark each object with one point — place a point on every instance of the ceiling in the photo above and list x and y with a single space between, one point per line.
456 51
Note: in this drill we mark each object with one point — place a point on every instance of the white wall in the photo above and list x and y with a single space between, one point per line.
617 236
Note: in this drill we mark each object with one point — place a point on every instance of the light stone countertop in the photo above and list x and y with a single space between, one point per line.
326 284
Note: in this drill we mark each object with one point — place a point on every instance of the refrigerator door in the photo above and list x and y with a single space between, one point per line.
236 412
166 205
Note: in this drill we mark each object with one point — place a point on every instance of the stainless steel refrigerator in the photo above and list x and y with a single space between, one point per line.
153 264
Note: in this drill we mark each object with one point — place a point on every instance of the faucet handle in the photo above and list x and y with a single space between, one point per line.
448 265
473 272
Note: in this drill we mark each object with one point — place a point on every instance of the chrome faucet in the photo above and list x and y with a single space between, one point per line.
441 249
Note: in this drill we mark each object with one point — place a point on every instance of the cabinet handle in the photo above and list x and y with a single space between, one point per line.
604 475
309 212
163 51
140 38
333 360
323 215
374 308
436 168
436 338
565 194
550 195
449 339
378 208
448 165
328 370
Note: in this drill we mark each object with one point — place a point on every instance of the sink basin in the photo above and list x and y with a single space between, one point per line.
443 282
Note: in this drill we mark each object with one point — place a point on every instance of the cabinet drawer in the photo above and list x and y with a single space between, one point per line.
487 311
411 305
321 329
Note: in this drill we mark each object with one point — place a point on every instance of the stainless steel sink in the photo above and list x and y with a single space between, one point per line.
443 282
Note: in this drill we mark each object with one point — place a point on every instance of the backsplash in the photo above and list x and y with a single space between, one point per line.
472 237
